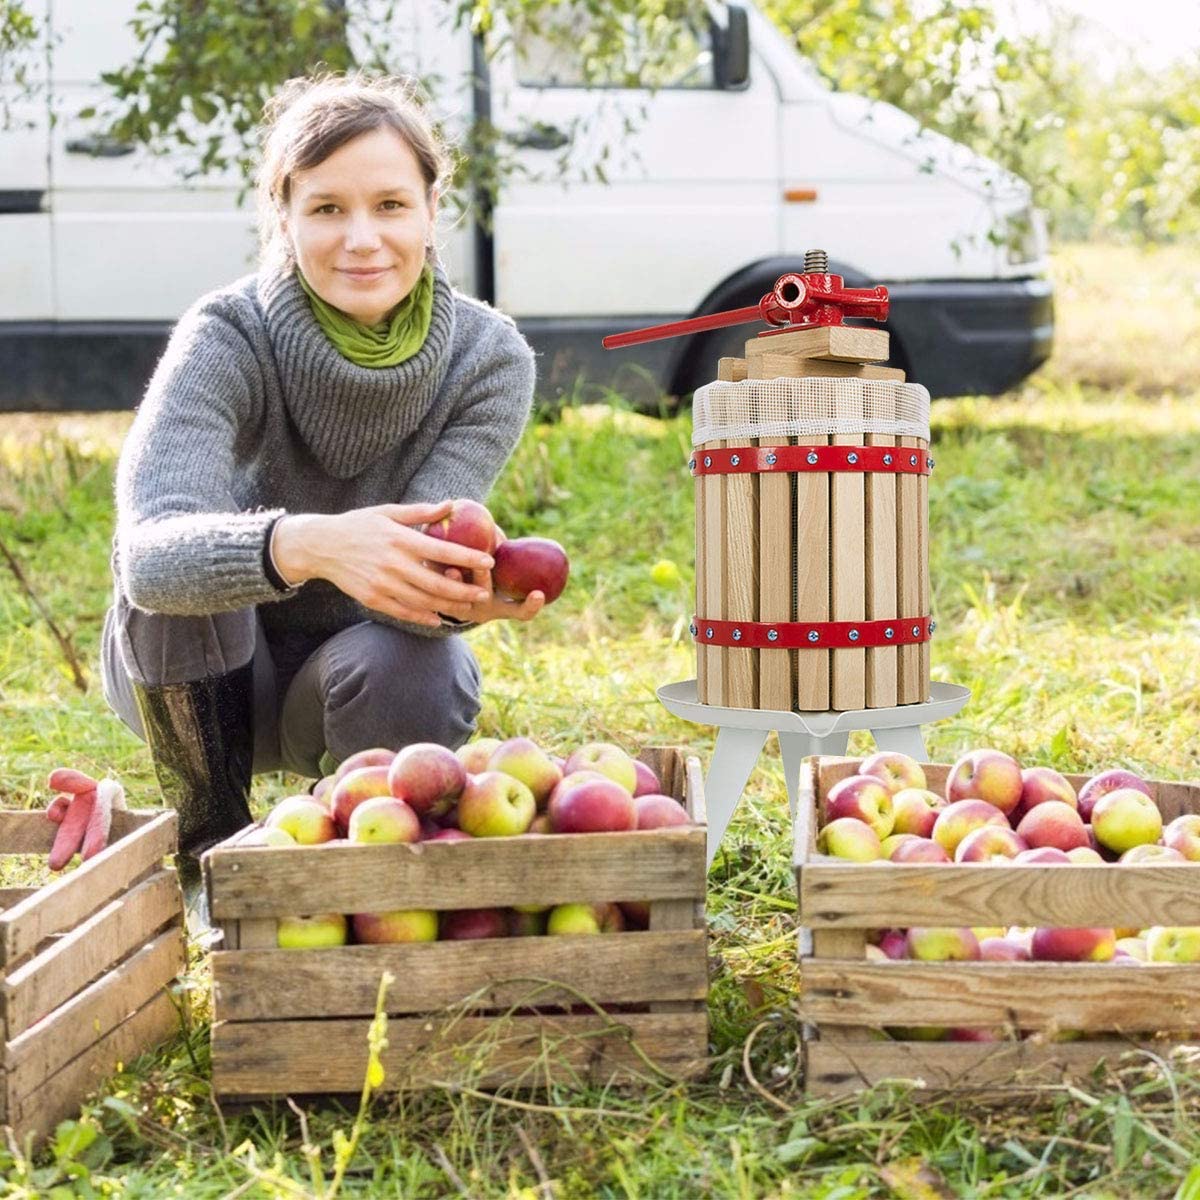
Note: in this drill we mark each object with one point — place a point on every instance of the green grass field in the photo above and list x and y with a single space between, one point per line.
1065 534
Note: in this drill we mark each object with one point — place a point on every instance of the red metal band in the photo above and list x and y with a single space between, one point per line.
752 460
812 635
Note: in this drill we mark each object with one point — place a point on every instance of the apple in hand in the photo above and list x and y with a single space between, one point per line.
377 757
1105 782
306 820
363 783
496 805
474 755
523 759
895 770
1125 818
1177 944
606 758
1183 834
1073 945
932 944
915 809
863 797
848 837
988 843
384 820
593 806
399 925
960 817
1053 823
647 782
989 775
468 924
427 777
659 812
468 523
311 933
530 564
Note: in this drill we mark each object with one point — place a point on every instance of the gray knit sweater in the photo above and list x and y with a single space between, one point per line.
252 413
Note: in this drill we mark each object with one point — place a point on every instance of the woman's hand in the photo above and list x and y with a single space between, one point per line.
498 608
376 556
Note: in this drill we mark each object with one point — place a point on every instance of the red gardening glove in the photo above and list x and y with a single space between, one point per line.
71 832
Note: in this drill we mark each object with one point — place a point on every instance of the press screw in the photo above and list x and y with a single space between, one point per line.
930 461
812 456
772 635
691 464
932 626
813 635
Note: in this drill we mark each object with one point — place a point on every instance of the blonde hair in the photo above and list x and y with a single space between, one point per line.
311 117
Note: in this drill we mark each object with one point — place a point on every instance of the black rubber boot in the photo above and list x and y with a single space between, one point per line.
201 737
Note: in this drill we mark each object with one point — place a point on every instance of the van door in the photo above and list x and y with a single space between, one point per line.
628 201
131 242
24 182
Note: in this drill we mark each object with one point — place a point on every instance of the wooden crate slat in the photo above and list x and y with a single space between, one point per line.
28 831
35 988
714 573
72 1028
10 897
263 1058
74 896
848 539
882 661
1101 997
60 1095
618 968
484 872
833 1068
838 894
813 552
776 590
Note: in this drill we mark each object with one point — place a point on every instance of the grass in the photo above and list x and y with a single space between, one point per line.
1065 527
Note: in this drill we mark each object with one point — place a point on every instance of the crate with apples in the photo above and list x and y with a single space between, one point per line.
986 925
87 948
538 914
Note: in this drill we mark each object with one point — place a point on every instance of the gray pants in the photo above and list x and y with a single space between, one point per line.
368 685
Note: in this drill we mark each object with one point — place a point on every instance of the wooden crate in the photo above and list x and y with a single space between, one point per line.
85 961
295 1021
846 1001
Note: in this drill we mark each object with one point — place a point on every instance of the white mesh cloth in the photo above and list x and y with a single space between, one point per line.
809 407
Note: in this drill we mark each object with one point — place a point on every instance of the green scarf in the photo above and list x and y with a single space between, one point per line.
396 338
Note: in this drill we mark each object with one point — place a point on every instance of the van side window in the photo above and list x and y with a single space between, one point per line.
569 50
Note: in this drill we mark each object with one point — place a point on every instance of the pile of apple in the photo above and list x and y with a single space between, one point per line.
993 812
488 788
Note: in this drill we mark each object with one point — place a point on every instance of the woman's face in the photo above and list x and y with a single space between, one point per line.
360 222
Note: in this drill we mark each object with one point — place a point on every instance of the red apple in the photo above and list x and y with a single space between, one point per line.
530 564
362 783
647 781
468 924
913 849
1002 949
1039 784
637 913
391 928
1046 855
378 757
523 759
496 805
1124 818
427 777
606 758
1105 782
863 797
540 824
306 820
593 806
450 835
959 818
469 524
894 944
895 770
987 844
384 820
1053 823
659 812
1183 834
914 810
989 775
323 788
942 945
474 755
1073 945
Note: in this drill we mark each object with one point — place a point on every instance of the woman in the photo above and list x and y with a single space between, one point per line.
276 598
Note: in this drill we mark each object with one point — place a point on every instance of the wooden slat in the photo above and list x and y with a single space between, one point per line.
1100 997
848 569
114 997
776 589
261 934
813 553
61 1095
10 897
628 967
269 881
923 573
291 1057
846 342
731 370
27 831
741 584
699 488
882 661
908 575
78 894
714 571
33 989
833 1068
838 894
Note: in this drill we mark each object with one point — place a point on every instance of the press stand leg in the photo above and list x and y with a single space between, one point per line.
733 759
795 747
906 739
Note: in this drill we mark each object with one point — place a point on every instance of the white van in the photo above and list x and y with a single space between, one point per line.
733 167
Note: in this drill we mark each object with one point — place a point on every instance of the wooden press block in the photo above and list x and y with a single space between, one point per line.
774 580
851 343
731 370
796 366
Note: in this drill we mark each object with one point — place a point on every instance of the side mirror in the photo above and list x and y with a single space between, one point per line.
731 47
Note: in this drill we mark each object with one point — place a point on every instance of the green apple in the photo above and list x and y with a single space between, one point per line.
311 933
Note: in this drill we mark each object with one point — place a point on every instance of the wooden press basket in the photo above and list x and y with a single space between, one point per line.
825 560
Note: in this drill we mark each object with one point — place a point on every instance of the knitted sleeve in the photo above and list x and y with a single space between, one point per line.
183 548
